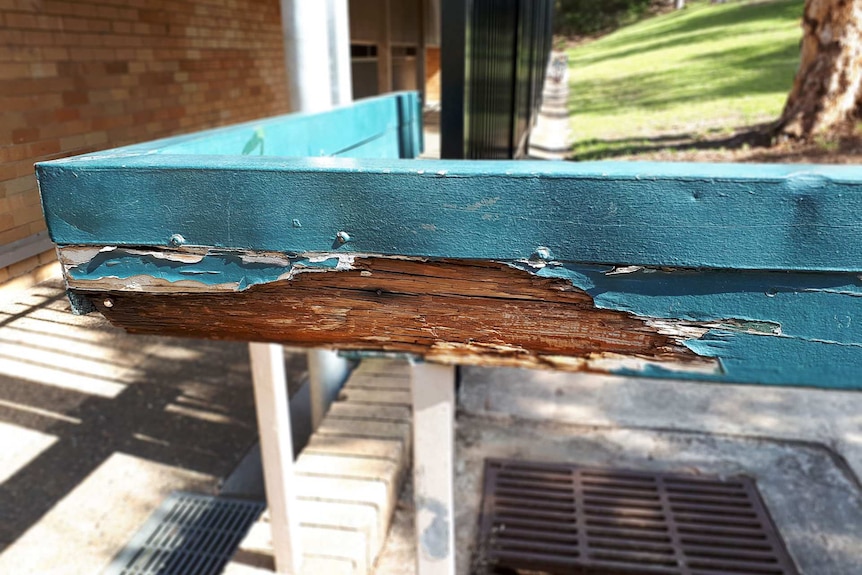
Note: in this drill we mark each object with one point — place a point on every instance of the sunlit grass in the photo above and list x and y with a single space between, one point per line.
706 69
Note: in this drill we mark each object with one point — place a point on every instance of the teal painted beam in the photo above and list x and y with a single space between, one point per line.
773 328
755 266
396 118
723 216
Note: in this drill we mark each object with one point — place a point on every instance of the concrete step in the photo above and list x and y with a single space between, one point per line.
343 409
375 396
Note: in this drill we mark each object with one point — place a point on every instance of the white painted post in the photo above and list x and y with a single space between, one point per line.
276 446
433 389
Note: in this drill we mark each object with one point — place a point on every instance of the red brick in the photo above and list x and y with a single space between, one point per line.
14 70
96 84
22 135
43 69
14 234
21 21
12 53
66 114
43 148
75 98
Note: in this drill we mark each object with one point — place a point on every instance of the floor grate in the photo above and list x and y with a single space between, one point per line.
189 534
556 518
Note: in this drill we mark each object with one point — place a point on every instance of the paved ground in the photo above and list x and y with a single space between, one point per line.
802 447
551 138
97 427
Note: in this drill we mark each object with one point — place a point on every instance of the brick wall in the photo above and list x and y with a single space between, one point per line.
82 75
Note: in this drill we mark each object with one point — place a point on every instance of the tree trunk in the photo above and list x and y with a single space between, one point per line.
826 96
679 4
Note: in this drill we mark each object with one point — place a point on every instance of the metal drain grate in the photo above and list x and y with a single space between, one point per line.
189 534
552 518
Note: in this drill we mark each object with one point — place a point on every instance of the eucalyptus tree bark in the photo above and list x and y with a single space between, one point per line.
679 4
826 97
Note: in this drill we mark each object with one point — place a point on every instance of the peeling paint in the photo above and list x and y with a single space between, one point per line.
214 270
759 327
683 241
624 270
765 327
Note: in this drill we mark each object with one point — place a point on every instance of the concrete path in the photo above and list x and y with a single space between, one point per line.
98 427
801 445
551 136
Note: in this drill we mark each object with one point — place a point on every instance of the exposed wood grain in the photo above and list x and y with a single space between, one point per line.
454 311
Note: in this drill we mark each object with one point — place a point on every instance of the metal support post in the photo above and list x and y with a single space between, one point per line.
326 373
305 24
341 73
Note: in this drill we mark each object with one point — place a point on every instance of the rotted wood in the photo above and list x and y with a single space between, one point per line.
450 311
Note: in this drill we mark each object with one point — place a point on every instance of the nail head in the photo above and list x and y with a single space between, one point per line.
543 253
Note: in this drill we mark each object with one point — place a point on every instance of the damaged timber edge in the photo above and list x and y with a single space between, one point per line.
720 325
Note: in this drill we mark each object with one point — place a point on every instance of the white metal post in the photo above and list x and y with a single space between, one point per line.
433 389
384 50
276 446
341 71
314 32
305 24
317 57
326 372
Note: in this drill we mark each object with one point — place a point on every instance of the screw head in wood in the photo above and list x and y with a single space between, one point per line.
108 303
342 237
177 240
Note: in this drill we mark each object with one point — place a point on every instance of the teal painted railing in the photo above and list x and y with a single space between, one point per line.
765 260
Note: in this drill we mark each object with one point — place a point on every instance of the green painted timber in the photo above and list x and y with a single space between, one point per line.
727 216
383 127
764 260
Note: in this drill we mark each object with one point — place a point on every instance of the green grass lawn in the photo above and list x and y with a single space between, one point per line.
698 71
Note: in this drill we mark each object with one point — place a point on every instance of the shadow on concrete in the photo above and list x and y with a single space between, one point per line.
91 391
